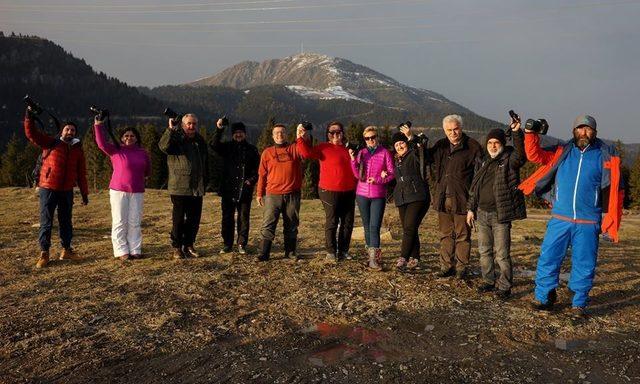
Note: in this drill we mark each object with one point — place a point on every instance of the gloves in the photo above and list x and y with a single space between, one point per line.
85 199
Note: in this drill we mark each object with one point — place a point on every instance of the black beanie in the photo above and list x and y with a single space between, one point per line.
398 136
497 134
239 126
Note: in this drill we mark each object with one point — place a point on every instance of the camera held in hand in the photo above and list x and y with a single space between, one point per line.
539 126
407 123
421 139
35 108
100 114
356 147
225 121
514 119
306 125
173 115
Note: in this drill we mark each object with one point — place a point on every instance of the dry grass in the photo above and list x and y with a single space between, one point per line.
230 319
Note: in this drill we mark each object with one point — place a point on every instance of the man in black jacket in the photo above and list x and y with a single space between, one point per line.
239 175
455 160
495 201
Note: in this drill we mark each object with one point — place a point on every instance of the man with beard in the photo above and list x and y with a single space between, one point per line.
495 201
582 181
63 166
239 175
186 153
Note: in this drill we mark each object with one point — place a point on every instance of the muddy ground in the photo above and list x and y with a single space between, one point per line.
230 319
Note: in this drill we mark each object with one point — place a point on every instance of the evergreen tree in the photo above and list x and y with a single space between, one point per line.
10 174
150 138
265 140
98 164
353 133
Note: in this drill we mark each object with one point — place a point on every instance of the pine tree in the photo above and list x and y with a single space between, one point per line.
353 132
150 138
265 140
98 164
9 163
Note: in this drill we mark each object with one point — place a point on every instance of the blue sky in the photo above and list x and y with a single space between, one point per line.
552 59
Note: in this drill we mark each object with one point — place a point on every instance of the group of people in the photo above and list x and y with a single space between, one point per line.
473 186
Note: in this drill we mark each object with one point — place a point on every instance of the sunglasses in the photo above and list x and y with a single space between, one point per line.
370 138
335 132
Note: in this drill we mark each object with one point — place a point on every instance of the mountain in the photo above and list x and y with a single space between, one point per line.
320 77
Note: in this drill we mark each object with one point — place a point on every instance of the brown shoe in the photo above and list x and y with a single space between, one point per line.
69 254
123 257
190 252
43 260
177 253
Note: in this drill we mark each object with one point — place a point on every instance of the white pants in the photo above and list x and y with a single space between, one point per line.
126 216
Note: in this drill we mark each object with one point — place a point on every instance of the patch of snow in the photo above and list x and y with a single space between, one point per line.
334 92
436 99
247 91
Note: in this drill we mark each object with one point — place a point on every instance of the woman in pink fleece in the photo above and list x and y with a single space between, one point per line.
131 165
373 167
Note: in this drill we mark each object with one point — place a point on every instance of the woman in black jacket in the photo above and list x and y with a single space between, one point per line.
411 193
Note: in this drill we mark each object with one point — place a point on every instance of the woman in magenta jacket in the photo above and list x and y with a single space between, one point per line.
131 165
373 167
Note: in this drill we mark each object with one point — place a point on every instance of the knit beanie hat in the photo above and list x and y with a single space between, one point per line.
239 126
398 136
497 134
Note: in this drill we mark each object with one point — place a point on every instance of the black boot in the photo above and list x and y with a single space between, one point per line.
290 248
266 250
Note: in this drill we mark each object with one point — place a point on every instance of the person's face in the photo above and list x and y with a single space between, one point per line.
400 147
68 132
278 135
335 134
189 126
239 135
494 147
453 131
371 138
129 138
584 135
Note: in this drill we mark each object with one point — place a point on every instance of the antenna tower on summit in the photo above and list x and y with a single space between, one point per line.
301 47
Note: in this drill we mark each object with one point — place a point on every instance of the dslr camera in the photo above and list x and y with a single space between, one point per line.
170 113
539 126
36 109
100 114
407 123
306 125
354 146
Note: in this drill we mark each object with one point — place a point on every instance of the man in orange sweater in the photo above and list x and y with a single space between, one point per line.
278 191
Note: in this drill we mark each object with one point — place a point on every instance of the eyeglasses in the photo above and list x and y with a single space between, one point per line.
370 138
335 133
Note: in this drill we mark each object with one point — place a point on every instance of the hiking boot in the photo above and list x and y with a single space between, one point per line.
43 260
503 294
266 250
375 257
191 252
401 263
241 249
69 254
412 263
551 299
579 313
226 249
486 287
177 254
446 273
290 248
461 274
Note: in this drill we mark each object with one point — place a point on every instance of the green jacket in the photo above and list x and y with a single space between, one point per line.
187 163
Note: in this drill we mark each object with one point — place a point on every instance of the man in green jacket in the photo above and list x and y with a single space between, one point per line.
186 153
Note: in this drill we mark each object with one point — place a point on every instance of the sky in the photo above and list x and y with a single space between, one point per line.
545 59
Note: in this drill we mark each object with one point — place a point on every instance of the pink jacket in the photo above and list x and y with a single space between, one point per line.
373 165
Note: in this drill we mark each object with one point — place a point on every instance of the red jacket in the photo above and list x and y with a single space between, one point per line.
63 164
335 165
280 171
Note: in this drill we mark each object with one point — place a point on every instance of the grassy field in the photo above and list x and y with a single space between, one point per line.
231 319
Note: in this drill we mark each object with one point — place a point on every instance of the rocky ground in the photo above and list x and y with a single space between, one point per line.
227 318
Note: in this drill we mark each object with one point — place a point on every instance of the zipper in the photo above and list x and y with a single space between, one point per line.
595 201
575 187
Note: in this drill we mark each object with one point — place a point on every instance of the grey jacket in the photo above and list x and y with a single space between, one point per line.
187 163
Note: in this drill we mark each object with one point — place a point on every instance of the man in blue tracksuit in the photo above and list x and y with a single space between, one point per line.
581 179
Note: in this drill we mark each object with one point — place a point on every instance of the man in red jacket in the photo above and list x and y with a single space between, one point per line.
63 166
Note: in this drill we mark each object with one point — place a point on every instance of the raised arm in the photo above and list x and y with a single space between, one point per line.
35 136
519 157
102 141
534 152
169 142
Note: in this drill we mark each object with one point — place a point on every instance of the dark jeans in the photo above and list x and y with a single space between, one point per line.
455 238
186 214
411 216
230 224
339 210
49 200
494 242
287 204
371 211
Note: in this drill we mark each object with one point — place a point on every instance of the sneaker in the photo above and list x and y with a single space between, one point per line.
177 254
123 257
486 287
331 257
242 250
69 254
413 263
191 252
227 249
401 263
43 260
346 255
503 294
540 306
446 273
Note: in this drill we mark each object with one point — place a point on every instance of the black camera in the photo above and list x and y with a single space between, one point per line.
101 114
225 121
36 109
421 139
407 123
306 125
353 146
514 118
540 126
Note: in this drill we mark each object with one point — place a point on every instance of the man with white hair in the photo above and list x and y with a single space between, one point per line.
455 159
494 202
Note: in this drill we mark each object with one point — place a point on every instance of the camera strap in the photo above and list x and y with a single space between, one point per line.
111 134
